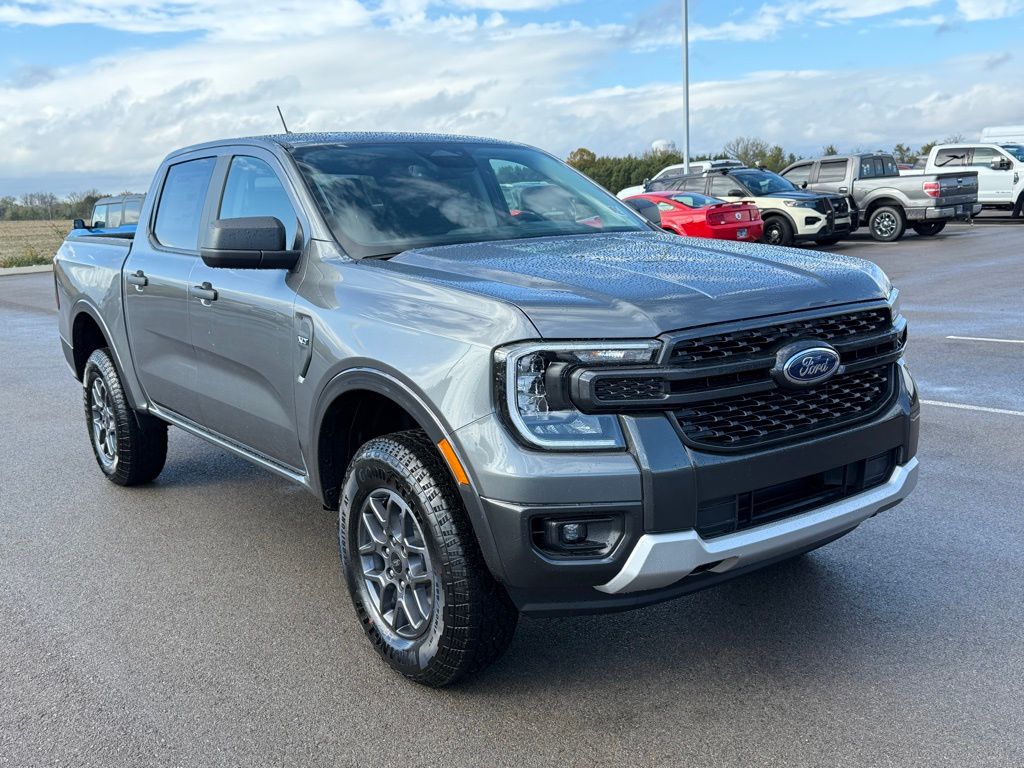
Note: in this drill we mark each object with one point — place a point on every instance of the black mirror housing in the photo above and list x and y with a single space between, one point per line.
78 224
647 209
255 242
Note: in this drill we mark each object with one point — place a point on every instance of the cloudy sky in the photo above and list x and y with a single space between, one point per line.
94 92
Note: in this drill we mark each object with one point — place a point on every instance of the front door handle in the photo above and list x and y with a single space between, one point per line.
138 279
205 293
844 190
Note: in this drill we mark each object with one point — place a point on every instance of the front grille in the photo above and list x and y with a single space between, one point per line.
722 388
776 415
841 206
611 390
717 517
726 347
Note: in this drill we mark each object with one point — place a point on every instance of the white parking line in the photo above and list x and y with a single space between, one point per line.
979 338
962 406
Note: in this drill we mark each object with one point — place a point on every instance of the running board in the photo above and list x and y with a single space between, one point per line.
229 445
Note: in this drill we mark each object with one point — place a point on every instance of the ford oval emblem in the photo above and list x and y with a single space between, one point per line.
805 364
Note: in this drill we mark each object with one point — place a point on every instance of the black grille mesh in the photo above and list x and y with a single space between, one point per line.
612 390
740 422
726 347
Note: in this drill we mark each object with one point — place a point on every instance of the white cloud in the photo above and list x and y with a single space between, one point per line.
400 66
980 10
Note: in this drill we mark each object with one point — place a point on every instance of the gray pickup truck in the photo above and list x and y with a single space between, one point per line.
550 409
886 201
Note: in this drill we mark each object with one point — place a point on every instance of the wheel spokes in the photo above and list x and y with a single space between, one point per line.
395 562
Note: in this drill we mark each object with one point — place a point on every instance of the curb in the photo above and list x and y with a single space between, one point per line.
5 271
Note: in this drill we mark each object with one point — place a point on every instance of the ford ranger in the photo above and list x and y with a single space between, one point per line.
886 201
510 411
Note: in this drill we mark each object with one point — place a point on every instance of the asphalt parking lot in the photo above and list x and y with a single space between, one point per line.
203 621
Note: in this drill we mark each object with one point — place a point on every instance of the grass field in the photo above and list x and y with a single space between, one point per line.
24 243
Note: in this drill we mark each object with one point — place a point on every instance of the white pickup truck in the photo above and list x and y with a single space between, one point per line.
1000 170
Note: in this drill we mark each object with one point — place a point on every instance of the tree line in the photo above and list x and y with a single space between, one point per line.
37 206
615 173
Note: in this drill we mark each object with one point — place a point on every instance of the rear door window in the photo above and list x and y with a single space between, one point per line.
253 189
114 215
132 209
953 157
181 203
833 170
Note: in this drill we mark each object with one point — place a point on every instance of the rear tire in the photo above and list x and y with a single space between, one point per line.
887 224
929 229
417 578
777 231
1018 207
130 447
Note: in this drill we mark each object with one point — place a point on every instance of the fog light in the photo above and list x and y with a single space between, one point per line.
572 533
590 536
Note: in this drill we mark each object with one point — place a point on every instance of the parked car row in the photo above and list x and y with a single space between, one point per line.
825 199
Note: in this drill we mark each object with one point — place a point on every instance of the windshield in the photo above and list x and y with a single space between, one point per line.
382 199
763 182
1017 150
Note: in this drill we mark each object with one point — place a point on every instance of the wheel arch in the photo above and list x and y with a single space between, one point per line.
879 202
362 403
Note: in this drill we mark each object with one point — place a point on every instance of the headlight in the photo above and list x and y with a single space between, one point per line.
799 203
894 302
532 390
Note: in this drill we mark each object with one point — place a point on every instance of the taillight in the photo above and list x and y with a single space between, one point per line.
716 219
931 188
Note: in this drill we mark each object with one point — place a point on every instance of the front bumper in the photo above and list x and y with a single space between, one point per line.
661 490
659 560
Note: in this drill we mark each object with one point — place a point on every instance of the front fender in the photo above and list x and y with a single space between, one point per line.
391 384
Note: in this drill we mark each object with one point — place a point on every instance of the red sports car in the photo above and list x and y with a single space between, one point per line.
696 215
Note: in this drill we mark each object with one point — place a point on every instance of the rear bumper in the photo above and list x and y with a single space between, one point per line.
943 212
659 560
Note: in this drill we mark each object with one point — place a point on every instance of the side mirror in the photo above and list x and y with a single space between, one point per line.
78 224
803 184
647 209
735 193
999 164
256 242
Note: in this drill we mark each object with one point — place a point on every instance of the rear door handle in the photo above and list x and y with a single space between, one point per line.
205 293
139 280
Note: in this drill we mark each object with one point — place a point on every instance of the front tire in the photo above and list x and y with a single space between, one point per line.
777 231
1018 207
129 447
930 228
887 224
417 578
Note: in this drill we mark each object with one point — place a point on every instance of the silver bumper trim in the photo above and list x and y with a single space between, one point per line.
661 559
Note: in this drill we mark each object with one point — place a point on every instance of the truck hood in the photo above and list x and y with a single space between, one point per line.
644 283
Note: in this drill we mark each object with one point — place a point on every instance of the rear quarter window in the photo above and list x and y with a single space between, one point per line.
181 203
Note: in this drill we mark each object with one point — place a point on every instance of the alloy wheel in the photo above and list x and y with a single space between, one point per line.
104 423
885 224
395 564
